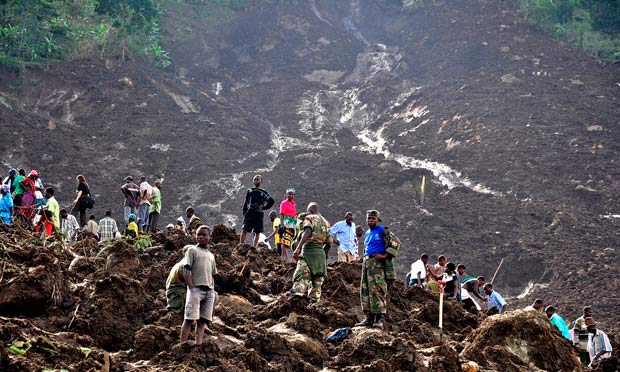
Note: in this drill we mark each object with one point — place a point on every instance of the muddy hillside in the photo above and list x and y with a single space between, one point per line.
353 103
92 307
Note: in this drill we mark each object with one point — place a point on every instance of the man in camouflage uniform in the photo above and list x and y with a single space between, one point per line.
377 270
311 255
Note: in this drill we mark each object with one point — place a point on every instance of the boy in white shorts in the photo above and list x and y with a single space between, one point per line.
198 273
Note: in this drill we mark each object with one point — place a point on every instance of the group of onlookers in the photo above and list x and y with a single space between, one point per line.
26 201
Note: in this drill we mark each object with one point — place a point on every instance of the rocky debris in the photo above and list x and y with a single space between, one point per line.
519 340
113 318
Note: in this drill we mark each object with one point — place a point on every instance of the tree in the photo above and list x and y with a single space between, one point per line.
130 16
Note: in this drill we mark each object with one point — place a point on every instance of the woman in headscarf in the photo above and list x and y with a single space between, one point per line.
288 218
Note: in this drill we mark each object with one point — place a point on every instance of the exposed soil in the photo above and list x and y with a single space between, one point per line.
288 89
117 321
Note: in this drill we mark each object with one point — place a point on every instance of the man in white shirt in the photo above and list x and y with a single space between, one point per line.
68 225
144 204
418 271
343 235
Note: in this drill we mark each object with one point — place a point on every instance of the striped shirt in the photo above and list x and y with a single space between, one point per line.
599 342
107 229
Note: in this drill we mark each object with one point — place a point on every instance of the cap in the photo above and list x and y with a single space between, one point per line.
291 189
373 213
33 173
12 171
132 216
128 178
589 321
312 204
168 226
349 214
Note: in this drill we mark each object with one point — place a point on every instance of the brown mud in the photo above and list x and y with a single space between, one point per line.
113 317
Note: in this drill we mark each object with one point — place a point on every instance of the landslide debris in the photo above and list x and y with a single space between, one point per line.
102 307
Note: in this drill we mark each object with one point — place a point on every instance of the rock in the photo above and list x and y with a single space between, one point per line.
236 304
126 81
470 367
509 79
576 82
518 340
595 128
314 351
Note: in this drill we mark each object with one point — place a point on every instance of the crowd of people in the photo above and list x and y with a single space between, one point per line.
26 201
306 238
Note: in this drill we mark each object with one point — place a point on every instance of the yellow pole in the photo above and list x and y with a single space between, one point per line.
422 187
441 285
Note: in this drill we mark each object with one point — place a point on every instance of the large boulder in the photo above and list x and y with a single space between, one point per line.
520 341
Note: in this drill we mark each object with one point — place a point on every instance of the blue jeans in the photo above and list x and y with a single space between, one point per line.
127 210
143 216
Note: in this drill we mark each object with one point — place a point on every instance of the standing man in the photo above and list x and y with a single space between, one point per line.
107 228
599 346
343 234
451 278
381 246
557 321
537 305
359 239
155 206
131 192
194 221
494 298
256 201
144 204
52 206
10 179
18 190
435 273
418 272
68 226
580 335
92 226
311 255
198 270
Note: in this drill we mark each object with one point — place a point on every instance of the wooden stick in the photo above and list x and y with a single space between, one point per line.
494 275
73 318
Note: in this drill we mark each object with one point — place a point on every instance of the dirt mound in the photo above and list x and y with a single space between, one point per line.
114 318
519 340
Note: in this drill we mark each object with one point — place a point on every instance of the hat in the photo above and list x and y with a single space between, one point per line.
12 171
33 173
589 321
291 189
132 216
373 213
349 214
128 178
312 204
168 226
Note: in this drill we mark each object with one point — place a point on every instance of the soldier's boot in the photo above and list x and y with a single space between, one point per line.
379 318
370 319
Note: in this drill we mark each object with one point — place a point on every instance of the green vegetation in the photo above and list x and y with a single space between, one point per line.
591 25
34 31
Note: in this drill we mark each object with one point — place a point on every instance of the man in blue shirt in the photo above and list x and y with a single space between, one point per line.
377 269
557 321
494 298
343 235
